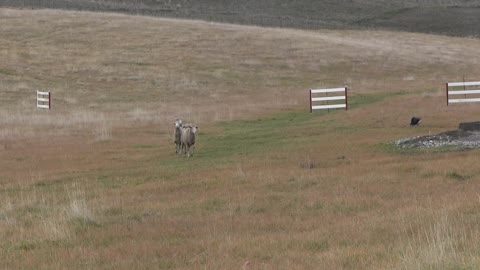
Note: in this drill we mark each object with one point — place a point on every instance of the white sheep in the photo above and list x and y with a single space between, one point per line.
177 135
188 138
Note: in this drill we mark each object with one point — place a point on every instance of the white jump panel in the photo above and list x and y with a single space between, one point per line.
328 98
460 88
44 100
454 84
464 100
43 93
341 95
464 92
333 106
329 90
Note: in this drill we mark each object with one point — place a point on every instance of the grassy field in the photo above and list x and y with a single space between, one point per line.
95 183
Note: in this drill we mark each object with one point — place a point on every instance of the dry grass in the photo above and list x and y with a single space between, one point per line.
95 183
445 243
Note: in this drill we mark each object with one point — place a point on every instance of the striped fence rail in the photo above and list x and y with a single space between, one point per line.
340 100
469 90
44 100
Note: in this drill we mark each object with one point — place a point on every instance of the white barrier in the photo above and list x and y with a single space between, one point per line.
464 91
326 99
44 100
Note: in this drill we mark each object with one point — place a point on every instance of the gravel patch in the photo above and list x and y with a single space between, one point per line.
457 138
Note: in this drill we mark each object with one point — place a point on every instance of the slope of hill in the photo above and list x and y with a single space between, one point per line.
455 17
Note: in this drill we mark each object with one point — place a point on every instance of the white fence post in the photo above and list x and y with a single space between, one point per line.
342 97
44 100
464 91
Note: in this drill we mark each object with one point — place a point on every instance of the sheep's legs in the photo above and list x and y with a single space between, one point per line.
188 150
177 149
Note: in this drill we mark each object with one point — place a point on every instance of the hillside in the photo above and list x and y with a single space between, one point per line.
456 17
94 183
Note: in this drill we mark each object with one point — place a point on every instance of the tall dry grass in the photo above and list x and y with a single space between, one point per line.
42 124
445 241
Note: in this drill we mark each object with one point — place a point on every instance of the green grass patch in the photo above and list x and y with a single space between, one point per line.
317 246
116 211
364 99
214 205
7 72
107 182
316 207
359 100
458 176
247 137
139 217
243 139
144 146
25 246
82 224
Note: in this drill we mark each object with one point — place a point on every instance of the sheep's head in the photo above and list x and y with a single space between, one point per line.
178 123
193 128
